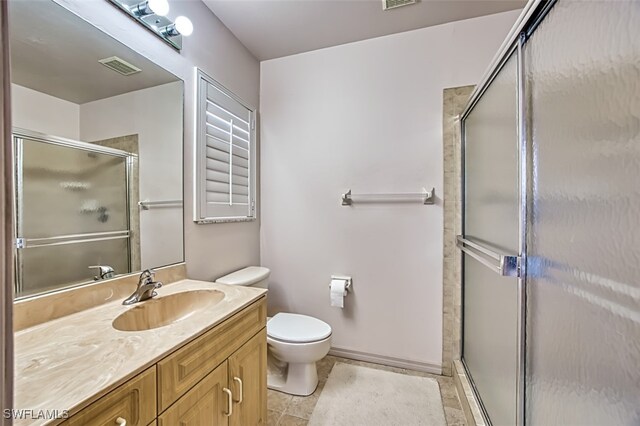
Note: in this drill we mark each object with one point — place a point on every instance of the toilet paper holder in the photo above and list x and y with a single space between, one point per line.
349 281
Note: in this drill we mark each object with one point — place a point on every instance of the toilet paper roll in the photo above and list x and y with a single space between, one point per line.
338 292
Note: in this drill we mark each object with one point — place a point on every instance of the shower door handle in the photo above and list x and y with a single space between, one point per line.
502 264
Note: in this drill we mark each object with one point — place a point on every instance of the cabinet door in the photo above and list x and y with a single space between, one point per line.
134 402
248 381
180 371
206 404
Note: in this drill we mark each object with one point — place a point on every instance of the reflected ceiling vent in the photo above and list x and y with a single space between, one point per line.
119 65
392 4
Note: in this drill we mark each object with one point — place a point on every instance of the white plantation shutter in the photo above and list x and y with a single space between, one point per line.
225 155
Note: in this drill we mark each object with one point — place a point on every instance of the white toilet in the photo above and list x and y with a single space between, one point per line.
295 341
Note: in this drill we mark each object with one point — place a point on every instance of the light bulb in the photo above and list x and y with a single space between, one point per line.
184 25
159 7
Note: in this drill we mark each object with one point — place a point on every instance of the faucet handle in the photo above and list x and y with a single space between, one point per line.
105 271
147 276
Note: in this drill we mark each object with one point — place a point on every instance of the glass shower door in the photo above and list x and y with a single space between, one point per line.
583 323
490 244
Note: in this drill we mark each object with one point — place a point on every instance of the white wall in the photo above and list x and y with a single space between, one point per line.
365 116
155 115
37 111
211 250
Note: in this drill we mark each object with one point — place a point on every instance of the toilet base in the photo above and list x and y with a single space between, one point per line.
291 367
293 378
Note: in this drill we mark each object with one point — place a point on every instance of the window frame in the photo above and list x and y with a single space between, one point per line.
200 157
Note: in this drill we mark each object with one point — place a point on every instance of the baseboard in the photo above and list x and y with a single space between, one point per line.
386 360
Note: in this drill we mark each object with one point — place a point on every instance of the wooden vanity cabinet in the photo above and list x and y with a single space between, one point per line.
218 379
234 394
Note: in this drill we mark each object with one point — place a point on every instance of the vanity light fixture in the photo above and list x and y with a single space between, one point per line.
182 26
152 14
151 7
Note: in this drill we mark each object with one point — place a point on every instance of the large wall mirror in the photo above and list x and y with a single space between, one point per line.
98 133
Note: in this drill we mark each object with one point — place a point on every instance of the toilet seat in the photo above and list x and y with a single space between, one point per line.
295 328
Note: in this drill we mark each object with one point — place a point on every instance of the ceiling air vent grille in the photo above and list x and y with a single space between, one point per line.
392 4
119 65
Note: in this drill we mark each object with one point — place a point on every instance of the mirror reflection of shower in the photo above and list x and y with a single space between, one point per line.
73 208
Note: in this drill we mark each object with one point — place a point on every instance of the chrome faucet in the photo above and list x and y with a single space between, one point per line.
105 272
146 288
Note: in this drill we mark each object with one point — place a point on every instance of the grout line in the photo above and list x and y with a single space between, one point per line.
279 417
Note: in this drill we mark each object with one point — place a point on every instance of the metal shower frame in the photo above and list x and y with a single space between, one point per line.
533 13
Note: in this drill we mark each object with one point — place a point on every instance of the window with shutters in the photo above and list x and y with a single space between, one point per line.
225 157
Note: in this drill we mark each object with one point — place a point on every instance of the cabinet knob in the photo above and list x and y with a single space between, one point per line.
121 422
229 402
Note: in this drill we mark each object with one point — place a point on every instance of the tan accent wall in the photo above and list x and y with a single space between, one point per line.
454 101
129 143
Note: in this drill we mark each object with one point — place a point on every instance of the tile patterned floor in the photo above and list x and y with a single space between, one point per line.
288 410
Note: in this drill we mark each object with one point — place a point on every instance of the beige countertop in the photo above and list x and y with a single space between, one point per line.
67 363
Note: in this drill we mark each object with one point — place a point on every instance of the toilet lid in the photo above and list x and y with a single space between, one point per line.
296 328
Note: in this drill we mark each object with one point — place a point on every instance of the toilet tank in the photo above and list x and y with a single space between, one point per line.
253 276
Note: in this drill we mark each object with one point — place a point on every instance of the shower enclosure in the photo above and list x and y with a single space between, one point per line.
551 244
72 211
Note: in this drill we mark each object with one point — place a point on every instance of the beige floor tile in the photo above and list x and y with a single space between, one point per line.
454 416
277 401
317 392
324 369
451 402
287 420
273 417
302 406
327 360
448 390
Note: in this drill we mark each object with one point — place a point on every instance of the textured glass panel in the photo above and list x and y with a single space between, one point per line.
583 337
53 267
68 191
491 217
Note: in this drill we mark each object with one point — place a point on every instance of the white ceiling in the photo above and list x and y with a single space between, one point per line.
275 28
54 51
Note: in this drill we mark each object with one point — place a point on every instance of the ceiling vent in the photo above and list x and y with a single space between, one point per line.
119 65
392 4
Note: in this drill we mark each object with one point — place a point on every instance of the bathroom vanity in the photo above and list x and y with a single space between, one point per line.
206 366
